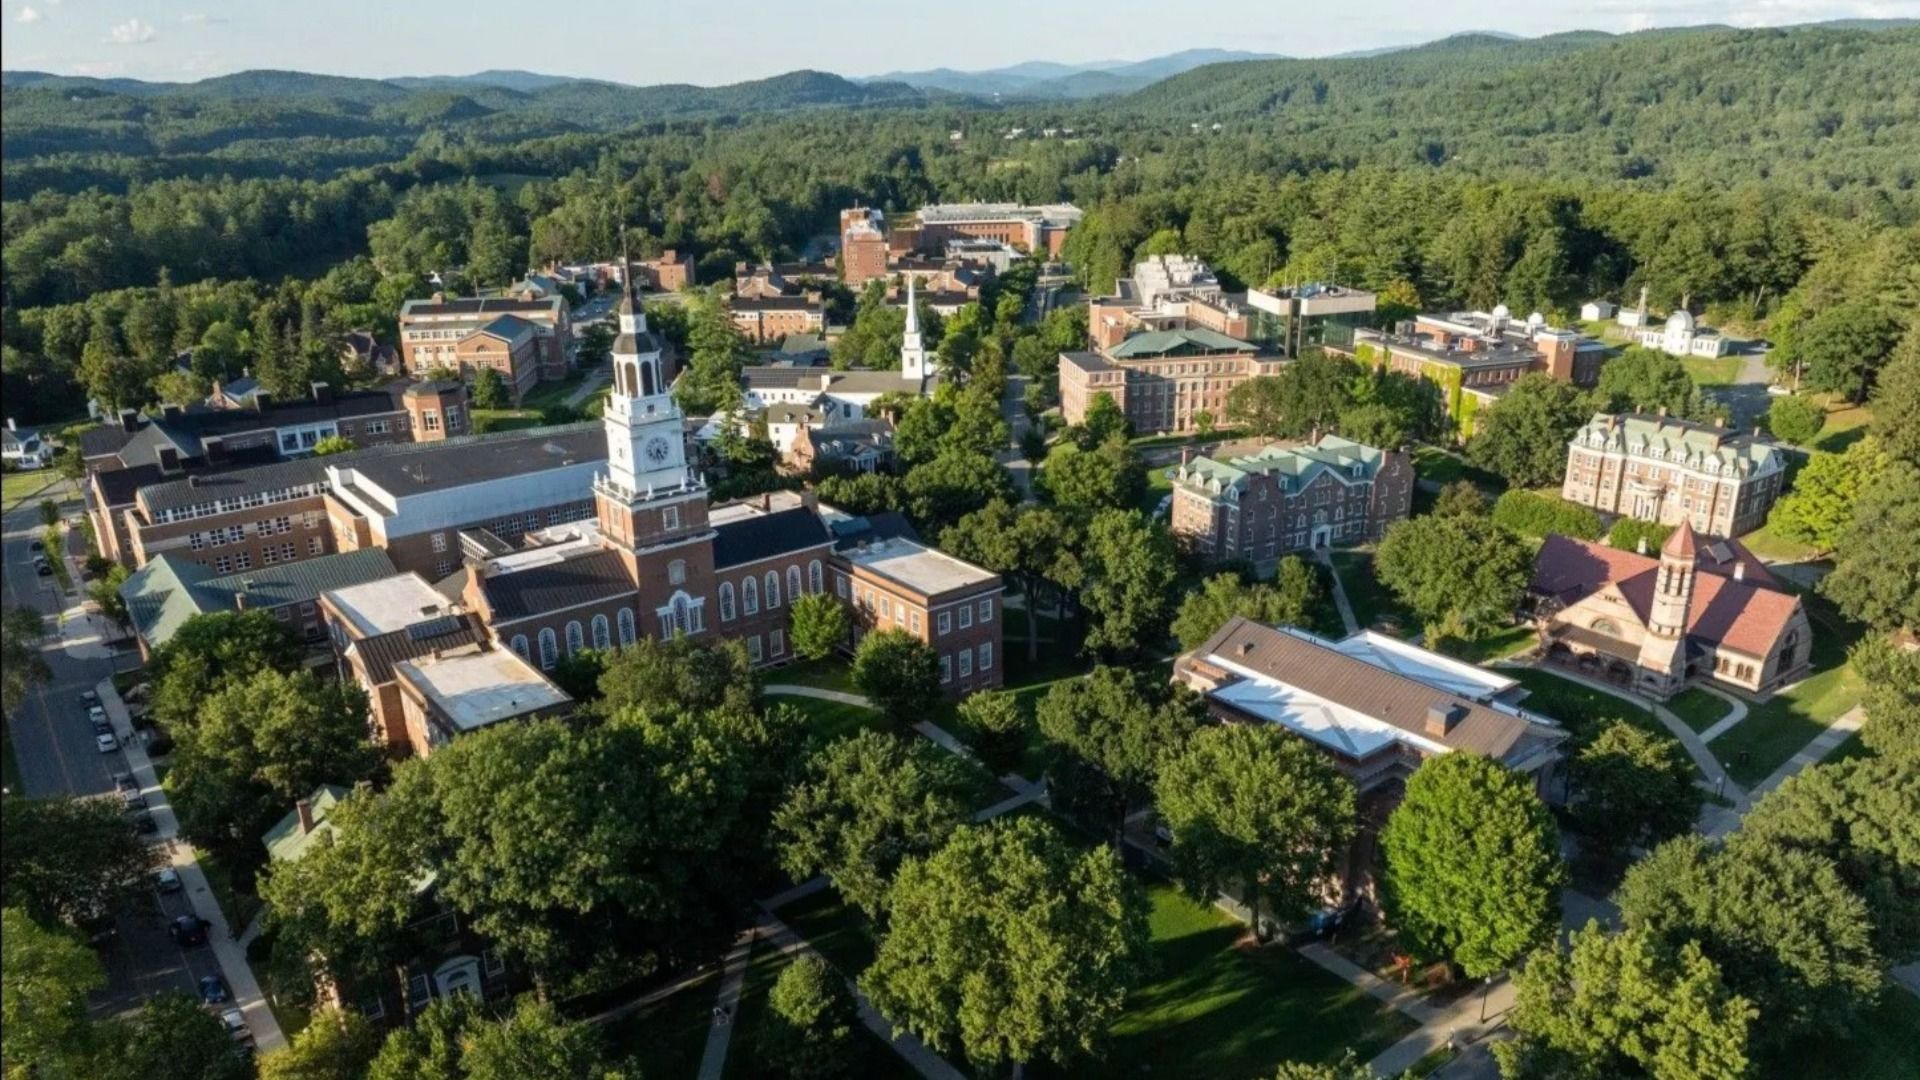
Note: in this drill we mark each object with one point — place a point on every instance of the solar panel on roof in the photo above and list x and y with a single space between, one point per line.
433 628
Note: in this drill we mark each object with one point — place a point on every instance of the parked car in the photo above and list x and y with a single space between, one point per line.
106 743
37 546
101 725
125 781
133 800
42 568
167 880
188 930
143 823
213 990
89 698
235 1022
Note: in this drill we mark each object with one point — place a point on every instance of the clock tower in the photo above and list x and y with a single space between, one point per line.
649 495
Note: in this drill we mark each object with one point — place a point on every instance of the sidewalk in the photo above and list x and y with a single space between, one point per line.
726 1008
1340 603
227 950
1818 748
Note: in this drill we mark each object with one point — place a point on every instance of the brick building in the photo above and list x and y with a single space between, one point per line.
892 581
377 624
1659 468
1161 378
1474 357
136 452
526 338
1040 231
764 319
162 595
1286 499
863 245
1704 610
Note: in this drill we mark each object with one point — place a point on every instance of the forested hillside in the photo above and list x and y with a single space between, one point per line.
255 217
1822 108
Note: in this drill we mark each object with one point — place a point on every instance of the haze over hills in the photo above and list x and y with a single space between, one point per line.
1046 79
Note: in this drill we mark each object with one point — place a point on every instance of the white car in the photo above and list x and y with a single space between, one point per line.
107 743
167 880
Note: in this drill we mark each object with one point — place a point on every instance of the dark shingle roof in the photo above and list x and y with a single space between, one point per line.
763 536
636 344
599 575
300 582
411 468
381 652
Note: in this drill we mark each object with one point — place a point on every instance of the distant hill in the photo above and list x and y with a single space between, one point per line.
524 81
1049 80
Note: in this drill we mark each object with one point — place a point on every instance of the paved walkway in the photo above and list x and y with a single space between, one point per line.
227 950
589 386
1468 1021
1339 594
794 690
1719 727
1811 754
726 1007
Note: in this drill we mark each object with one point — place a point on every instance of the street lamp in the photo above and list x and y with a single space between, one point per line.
1486 989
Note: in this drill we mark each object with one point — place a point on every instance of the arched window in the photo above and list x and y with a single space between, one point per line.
576 639
773 590
677 572
602 635
630 379
1606 626
549 649
625 619
814 582
726 601
646 380
793 583
519 646
749 596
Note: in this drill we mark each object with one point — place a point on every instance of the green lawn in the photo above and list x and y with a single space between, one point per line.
1846 423
836 928
545 395
1373 605
1159 486
1772 733
239 904
872 1058
1714 371
829 674
17 487
831 720
1326 615
488 420
1772 547
1777 730
1493 645
1444 467
1885 1045
1214 1008
1210 1008
1698 709
668 1038
1583 710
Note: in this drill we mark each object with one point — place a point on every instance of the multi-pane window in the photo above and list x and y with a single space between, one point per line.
726 601
986 610
773 590
576 638
945 622
749 595
986 656
813 577
777 642
946 668
966 617
966 662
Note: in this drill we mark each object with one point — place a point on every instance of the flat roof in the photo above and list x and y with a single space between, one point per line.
389 604
925 570
475 689
412 468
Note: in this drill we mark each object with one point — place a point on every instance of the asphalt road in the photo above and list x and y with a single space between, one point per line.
53 746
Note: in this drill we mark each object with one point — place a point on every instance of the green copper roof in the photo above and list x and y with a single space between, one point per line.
1301 463
169 590
287 842
1176 343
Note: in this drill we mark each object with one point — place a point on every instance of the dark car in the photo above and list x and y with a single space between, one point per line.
143 822
125 781
42 568
213 990
37 546
188 930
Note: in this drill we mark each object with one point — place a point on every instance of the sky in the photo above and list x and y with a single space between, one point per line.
645 42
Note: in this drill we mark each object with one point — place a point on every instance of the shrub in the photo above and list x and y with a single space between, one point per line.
1541 515
1627 533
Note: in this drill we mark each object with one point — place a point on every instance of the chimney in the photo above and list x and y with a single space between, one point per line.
1441 719
10 426
129 419
1739 570
1663 412
262 401
215 451
1186 454
439 298
171 412
169 459
322 393
304 808
766 500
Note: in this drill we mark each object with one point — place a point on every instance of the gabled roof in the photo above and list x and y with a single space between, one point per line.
1747 616
163 595
1353 702
287 842
506 328
169 590
1300 464
755 537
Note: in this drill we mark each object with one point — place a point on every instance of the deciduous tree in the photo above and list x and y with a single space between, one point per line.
337 1044
1633 789
1621 1005
1127 587
898 672
1257 811
1121 725
1896 399
1796 420
811 1019
1876 564
45 978
865 803
1289 598
1819 508
1523 436
1462 575
1011 945
69 861
1106 477
1472 865
819 625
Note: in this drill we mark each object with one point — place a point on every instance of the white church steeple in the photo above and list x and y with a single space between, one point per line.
913 351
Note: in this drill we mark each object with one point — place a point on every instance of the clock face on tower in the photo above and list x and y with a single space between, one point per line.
658 450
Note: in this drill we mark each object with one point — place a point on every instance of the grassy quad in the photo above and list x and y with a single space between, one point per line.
1778 728
668 1038
1373 604
1698 709
1211 1008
